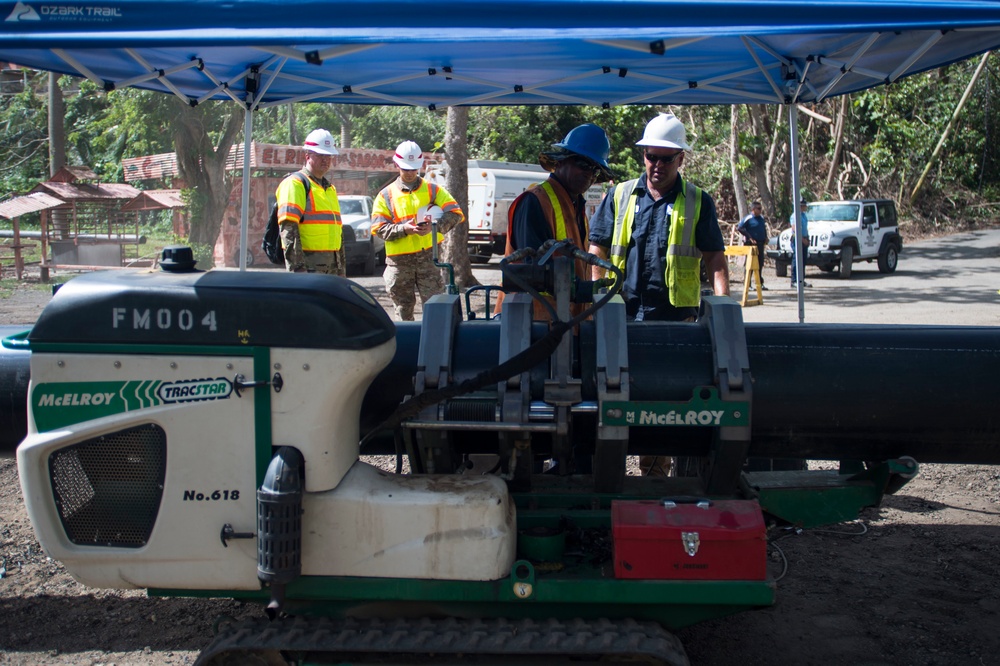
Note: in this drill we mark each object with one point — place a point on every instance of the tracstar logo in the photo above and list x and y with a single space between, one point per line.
201 389
23 12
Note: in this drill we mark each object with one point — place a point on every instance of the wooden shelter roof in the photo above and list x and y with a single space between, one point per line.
80 192
28 203
155 200
71 174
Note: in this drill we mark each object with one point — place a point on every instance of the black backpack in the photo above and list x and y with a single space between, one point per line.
270 245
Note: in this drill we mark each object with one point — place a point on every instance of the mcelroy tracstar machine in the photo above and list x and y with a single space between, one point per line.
198 434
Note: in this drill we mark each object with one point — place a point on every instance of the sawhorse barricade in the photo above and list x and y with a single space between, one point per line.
752 272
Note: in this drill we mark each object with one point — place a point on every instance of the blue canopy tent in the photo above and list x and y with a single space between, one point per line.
479 52
489 52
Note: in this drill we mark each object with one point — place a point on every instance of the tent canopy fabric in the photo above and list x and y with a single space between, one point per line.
498 52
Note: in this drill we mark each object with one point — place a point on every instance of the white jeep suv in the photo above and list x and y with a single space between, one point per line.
843 232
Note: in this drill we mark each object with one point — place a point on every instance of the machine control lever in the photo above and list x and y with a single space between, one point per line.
229 533
240 384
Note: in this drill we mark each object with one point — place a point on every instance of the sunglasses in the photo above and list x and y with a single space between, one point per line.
585 165
665 159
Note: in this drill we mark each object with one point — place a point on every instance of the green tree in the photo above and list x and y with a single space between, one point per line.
24 136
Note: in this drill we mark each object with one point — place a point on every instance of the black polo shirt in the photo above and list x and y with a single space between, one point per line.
645 290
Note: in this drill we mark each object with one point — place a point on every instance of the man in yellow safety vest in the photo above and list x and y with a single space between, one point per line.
309 218
658 229
401 216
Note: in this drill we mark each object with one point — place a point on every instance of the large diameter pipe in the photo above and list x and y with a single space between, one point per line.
842 391
819 391
15 371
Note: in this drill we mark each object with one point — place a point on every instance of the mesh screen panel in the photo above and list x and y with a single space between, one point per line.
108 489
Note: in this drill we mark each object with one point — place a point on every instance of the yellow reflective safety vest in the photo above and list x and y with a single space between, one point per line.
557 206
683 272
398 206
317 214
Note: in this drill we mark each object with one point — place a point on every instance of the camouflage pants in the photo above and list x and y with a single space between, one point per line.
331 263
408 274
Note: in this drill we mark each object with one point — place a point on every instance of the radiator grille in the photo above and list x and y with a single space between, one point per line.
108 489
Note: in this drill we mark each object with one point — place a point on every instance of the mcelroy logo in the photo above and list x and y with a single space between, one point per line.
59 404
199 389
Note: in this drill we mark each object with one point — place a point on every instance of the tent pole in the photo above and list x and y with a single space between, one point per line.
245 192
799 258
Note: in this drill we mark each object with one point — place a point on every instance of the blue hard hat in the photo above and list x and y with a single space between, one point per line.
590 141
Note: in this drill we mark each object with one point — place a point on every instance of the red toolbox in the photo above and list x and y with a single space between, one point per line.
689 539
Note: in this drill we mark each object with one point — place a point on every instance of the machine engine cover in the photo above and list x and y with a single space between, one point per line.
689 539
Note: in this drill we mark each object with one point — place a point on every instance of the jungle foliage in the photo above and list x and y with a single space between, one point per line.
876 143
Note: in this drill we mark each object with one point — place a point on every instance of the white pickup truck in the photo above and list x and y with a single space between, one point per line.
364 251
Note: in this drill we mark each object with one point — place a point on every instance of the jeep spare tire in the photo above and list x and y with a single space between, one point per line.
846 261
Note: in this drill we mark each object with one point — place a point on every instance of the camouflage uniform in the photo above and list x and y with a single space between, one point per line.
291 212
297 260
409 273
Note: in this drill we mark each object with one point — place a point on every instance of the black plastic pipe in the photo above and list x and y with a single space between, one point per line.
823 391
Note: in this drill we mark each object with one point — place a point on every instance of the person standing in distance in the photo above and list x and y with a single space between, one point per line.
556 208
802 244
401 216
311 229
754 229
658 229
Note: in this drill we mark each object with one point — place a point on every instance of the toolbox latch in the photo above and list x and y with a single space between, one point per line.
691 541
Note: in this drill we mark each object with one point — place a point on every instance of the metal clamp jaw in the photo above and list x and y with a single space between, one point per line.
731 368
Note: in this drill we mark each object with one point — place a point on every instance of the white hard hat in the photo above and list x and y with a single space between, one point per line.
665 131
320 141
408 156
430 210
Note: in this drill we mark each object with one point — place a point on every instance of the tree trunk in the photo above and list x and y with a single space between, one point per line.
777 142
293 129
202 165
346 127
60 219
456 244
947 128
838 142
734 161
761 126
57 125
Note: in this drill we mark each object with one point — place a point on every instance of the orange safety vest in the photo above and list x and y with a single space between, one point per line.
396 205
320 226
559 209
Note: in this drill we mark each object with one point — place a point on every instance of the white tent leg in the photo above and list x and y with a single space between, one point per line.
798 258
245 199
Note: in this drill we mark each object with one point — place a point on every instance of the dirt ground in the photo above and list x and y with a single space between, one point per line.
914 582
